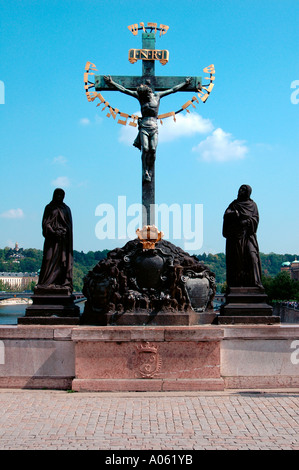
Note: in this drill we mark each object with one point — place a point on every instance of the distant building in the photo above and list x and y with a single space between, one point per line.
292 267
16 253
18 280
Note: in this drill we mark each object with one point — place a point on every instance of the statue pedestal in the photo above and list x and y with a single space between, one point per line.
52 306
246 305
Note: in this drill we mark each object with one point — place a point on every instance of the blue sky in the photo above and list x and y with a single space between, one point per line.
246 132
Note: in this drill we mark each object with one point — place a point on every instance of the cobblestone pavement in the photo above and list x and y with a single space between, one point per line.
43 419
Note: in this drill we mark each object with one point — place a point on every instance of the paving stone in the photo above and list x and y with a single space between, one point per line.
47 419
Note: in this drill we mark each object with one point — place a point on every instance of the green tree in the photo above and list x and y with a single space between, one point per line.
281 287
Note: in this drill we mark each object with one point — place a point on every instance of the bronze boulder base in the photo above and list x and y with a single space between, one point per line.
157 287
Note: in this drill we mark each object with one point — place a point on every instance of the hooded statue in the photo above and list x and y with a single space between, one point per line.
57 264
240 222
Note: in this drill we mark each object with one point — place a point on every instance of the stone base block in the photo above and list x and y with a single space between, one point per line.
260 382
152 319
247 320
48 320
147 358
146 385
37 383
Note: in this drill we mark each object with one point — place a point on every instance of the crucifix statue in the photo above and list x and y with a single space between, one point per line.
148 89
147 138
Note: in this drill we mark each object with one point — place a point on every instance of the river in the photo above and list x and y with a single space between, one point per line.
9 313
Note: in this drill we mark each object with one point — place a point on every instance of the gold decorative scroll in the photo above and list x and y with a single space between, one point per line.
163 28
148 54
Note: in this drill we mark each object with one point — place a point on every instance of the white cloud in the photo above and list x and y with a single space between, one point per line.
185 125
84 122
221 147
60 160
13 214
61 182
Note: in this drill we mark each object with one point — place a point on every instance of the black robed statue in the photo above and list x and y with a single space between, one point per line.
240 222
57 264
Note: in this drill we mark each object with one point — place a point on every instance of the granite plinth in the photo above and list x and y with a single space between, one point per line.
51 306
247 305
147 358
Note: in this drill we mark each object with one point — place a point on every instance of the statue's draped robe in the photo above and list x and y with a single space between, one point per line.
243 265
57 264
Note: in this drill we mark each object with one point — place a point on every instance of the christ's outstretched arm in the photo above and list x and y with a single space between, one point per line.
174 89
109 80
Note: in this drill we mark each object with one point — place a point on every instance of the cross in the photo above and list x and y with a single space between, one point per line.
160 86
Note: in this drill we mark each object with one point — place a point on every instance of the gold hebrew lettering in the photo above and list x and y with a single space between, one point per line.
105 105
209 69
88 86
86 76
190 102
152 25
142 26
125 116
164 29
90 65
163 116
186 105
211 78
209 89
204 96
112 112
101 98
91 96
133 122
133 28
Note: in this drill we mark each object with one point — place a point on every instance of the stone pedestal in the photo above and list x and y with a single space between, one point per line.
246 305
51 307
147 358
